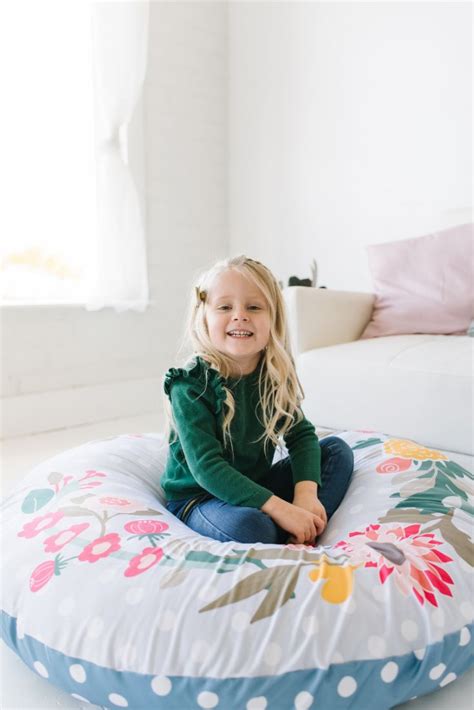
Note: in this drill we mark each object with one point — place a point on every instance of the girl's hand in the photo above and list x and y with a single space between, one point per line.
300 523
313 505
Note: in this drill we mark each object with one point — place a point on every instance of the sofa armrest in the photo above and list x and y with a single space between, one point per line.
319 317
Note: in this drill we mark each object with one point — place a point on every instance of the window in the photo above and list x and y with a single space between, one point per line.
48 215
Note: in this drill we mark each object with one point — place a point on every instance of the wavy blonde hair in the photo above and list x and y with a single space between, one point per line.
280 391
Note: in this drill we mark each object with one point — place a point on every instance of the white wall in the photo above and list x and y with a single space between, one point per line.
64 366
350 124
284 130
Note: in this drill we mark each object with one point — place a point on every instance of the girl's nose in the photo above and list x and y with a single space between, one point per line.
239 316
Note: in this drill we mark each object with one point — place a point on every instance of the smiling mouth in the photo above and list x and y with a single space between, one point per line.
240 333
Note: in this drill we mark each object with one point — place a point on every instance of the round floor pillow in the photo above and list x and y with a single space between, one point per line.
117 602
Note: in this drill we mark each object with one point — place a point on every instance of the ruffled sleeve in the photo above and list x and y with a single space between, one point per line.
178 373
200 372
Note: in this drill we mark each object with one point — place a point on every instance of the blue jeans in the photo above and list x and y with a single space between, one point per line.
212 517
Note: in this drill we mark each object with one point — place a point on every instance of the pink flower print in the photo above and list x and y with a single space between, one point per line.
152 529
100 547
411 557
43 522
92 473
44 572
114 501
145 527
394 465
141 563
41 575
56 542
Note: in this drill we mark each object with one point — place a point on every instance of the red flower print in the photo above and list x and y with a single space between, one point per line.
411 557
43 573
56 542
114 501
43 522
145 527
394 465
152 529
141 563
100 547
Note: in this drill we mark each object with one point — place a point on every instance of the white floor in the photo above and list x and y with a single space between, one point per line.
21 689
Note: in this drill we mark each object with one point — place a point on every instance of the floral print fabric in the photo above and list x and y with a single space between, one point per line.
91 542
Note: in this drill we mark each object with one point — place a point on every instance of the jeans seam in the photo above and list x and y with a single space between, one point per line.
212 525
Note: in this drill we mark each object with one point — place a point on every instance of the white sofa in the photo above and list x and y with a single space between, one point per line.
414 386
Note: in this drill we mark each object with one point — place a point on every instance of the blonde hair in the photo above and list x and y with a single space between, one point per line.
280 391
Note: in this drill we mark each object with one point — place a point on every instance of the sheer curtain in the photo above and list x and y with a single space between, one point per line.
119 274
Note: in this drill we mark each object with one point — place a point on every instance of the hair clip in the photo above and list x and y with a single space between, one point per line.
200 296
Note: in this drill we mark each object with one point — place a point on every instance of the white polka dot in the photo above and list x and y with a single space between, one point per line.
240 621
199 651
467 610
119 700
107 576
437 671
347 686
95 628
303 700
377 646
337 657
207 593
350 607
66 606
134 595
378 593
409 630
207 700
448 679
452 502
166 622
420 653
389 672
23 572
310 625
272 654
39 668
80 698
437 618
126 655
356 509
20 627
161 685
465 636
78 673
259 703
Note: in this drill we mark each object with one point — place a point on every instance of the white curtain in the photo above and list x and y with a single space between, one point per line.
118 276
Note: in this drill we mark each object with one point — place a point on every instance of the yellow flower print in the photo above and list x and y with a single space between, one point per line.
338 586
410 450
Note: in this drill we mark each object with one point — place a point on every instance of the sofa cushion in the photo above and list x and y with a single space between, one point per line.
423 285
404 385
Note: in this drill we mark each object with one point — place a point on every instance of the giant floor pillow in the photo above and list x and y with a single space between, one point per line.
117 602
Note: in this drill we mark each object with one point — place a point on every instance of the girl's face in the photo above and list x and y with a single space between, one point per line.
238 319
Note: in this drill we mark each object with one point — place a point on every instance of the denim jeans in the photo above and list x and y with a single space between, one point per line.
212 517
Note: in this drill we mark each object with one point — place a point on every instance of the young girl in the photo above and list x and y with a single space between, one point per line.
230 404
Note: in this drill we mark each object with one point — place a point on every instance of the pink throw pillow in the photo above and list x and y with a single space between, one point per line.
423 285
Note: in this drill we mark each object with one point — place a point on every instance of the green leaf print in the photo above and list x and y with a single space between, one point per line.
278 582
366 442
453 469
36 499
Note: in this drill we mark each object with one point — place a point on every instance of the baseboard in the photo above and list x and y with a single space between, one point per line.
59 409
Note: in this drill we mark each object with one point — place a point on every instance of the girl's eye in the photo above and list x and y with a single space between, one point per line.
257 308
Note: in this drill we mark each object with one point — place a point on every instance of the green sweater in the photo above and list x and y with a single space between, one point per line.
197 460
